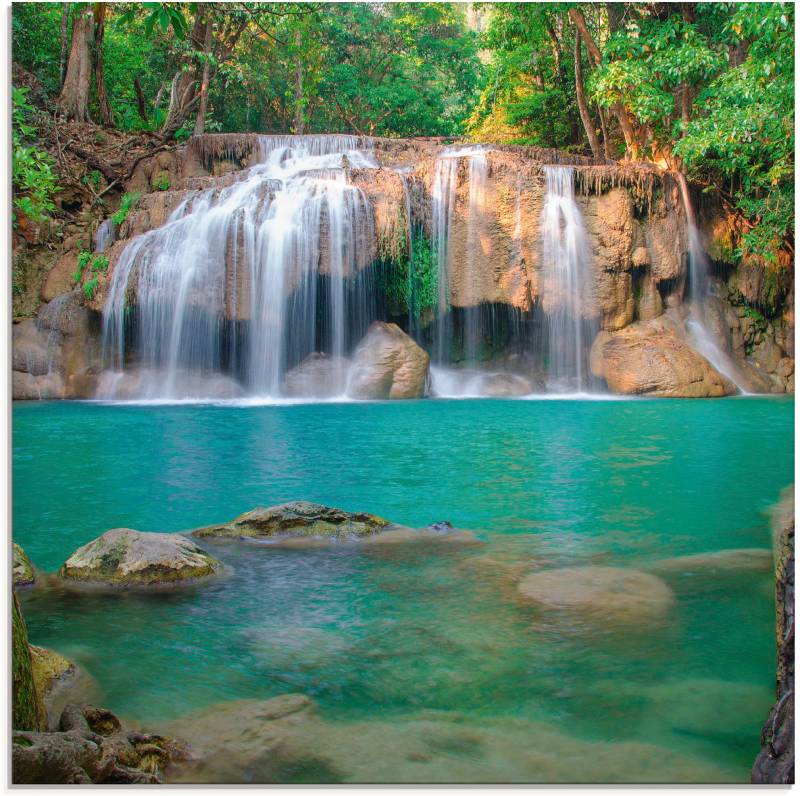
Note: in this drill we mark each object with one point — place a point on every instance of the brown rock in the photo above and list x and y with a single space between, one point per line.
650 358
388 364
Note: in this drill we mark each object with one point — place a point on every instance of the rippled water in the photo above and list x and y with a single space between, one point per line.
401 644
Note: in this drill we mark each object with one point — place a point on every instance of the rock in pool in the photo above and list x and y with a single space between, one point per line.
123 558
602 592
24 574
297 519
745 559
387 363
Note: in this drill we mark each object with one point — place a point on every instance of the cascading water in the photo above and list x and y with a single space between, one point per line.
566 263
699 289
104 236
218 287
443 201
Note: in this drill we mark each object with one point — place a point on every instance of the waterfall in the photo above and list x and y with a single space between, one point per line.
699 291
231 283
565 264
104 236
443 201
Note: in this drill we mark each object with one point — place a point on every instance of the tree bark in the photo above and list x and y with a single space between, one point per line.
200 122
625 122
99 72
604 127
140 104
299 117
62 64
74 98
583 105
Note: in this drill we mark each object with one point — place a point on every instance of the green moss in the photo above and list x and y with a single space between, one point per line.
28 711
410 285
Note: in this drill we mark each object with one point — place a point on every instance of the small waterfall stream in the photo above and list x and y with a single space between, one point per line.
699 291
565 263
231 283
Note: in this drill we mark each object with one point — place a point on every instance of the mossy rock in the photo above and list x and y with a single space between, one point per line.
28 712
48 668
23 571
297 519
126 558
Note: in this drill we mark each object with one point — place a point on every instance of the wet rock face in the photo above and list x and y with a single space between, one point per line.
124 557
651 358
299 518
775 762
606 593
387 363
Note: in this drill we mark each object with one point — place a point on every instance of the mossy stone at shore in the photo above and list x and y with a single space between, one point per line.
299 519
23 571
126 558
28 712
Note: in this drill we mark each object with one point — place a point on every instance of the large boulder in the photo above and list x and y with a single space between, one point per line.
297 519
607 593
652 358
23 571
123 557
388 364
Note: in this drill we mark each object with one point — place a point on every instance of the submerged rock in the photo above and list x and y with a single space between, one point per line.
123 557
749 559
23 571
650 358
298 518
604 592
387 363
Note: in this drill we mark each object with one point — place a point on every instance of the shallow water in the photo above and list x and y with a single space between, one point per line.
379 637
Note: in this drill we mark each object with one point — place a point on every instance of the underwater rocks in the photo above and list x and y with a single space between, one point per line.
749 559
123 557
650 358
387 363
285 740
23 571
606 593
92 746
298 518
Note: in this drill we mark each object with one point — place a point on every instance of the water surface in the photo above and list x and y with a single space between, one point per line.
384 638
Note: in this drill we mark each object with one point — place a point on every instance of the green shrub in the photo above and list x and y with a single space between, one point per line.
97 262
34 180
89 288
127 202
161 183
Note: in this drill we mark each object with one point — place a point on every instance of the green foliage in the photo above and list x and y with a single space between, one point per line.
89 288
34 181
127 202
95 263
411 285
744 134
161 183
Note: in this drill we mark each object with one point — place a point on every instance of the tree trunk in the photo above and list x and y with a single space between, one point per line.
200 122
62 64
625 122
583 106
299 117
74 98
99 73
183 96
140 104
